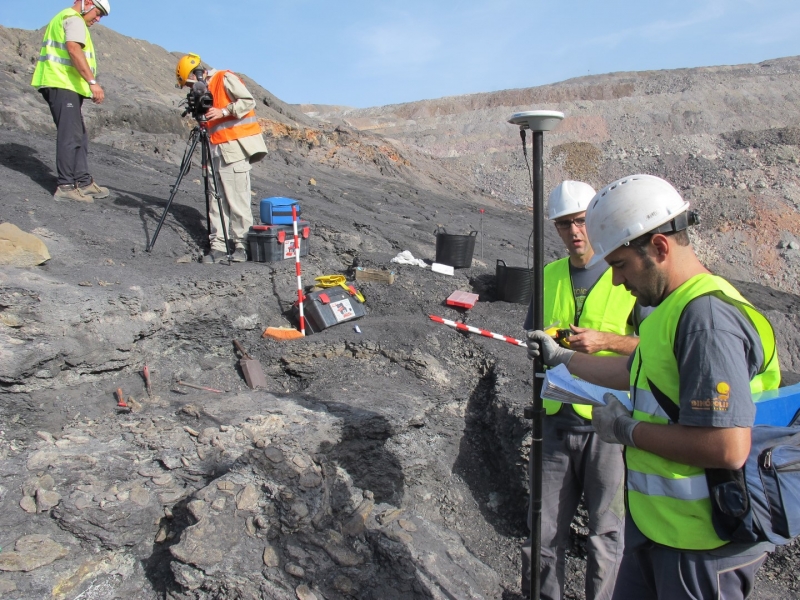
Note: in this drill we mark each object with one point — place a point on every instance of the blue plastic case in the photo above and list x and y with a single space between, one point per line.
278 211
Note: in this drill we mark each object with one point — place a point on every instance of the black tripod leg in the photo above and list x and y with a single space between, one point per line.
186 163
208 166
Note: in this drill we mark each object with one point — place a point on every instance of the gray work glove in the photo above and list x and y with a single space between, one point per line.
552 353
613 423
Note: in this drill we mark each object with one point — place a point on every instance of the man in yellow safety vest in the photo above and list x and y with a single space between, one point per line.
703 352
600 319
65 75
236 143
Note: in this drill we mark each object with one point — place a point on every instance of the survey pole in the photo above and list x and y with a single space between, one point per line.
537 122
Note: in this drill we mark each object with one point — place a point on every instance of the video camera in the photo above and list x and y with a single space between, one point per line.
198 101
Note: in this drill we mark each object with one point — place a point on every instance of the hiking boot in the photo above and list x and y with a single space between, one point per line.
239 255
70 192
215 256
94 190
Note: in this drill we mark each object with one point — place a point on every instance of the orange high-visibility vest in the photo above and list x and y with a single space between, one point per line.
229 128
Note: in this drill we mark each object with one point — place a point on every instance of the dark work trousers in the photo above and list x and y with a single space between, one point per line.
72 141
574 465
654 572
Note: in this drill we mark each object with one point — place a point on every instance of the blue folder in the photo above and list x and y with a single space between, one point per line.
777 407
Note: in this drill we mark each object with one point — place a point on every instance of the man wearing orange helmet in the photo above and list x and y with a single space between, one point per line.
236 143
65 75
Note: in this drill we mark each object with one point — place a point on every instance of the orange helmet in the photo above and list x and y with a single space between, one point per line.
186 65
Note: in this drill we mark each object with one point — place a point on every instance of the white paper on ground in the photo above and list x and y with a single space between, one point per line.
444 269
560 385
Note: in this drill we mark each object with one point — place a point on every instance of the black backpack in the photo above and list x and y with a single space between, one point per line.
761 501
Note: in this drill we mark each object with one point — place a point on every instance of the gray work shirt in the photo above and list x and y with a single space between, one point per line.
75 30
716 343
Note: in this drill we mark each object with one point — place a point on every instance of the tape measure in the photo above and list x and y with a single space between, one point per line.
559 335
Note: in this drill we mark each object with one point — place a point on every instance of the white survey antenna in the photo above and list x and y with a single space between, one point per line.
537 120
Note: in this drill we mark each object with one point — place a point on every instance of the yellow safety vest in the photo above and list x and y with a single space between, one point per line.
669 501
606 308
55 68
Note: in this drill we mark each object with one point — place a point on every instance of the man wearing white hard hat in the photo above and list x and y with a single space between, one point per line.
65 75
702 353
597 318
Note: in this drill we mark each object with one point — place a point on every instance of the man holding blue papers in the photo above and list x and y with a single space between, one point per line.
702 353
599 319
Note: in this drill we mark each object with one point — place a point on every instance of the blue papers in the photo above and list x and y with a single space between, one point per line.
773 407
560 385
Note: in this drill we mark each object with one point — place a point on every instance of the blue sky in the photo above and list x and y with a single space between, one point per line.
370 53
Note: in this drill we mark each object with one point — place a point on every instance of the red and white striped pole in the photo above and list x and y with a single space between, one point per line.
483 332
300 297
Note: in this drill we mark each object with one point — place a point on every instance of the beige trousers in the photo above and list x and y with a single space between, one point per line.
235 195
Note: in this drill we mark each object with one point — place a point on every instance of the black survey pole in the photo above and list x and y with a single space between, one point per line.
538 122
538 368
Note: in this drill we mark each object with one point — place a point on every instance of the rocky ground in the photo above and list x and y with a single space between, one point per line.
385 463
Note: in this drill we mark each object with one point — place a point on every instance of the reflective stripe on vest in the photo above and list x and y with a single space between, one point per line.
688 488
229 128
63 46
667 500
230 124
647 404
54 67
606 308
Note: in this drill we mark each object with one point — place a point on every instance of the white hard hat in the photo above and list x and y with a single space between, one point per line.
568 198
628 208
102 5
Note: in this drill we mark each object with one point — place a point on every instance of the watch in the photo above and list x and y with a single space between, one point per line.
92 82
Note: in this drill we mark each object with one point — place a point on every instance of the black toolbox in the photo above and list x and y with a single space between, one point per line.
330 306
268 243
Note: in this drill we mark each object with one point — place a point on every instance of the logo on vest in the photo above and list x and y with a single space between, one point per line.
719 402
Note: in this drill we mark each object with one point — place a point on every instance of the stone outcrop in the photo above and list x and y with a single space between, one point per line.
20 249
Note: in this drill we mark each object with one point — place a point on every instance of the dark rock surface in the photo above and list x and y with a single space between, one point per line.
388 463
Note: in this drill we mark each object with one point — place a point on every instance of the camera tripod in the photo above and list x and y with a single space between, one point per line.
211 184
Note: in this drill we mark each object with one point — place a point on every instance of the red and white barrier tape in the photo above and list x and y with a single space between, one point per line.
300 297
483 332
